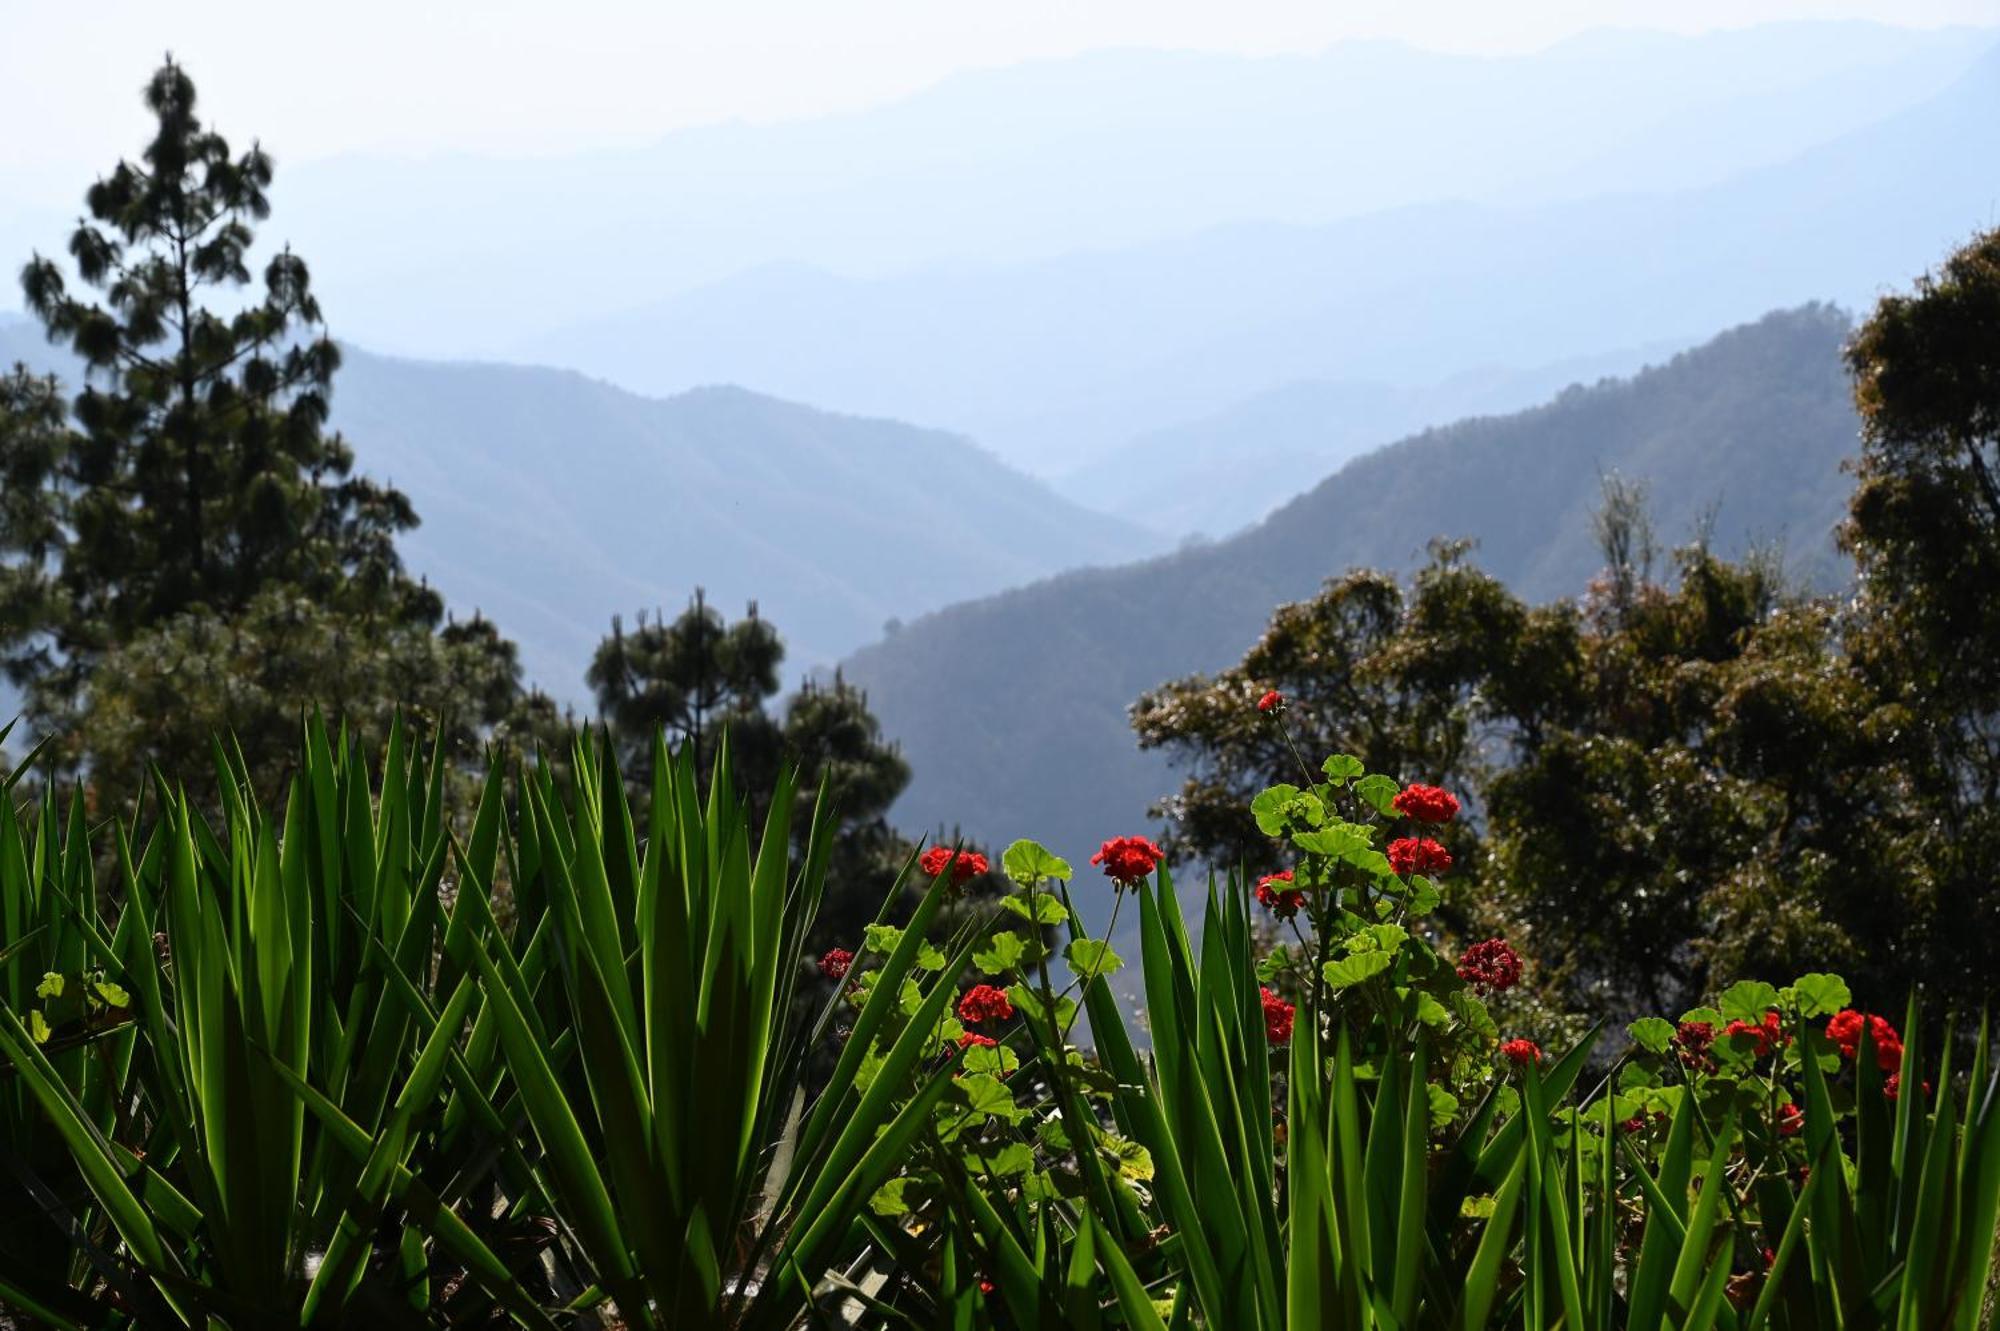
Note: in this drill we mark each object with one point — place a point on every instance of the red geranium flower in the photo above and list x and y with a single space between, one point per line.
1844 1029
1791 1120
964 864
1127 859
1492 964
1769 1033
1270 700
1521 1052
1636 1123
1283 902
1277 1017
1693 1039
1893 1087
1409 855
835 963
1427 804
971 1038
983 1002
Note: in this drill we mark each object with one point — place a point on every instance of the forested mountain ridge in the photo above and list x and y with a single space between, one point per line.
1012 709
551 501
1219 473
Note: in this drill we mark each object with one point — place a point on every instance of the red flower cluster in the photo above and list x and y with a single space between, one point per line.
1427 804
1693 1039
1636 1123
1491 964
1845 1027
1408 855
835 963
1270 700
1791 1120
1769 1033
1283 902
1893 1087
1127 859
983 1002
971 1038
963 864
1277 1017
1521 1052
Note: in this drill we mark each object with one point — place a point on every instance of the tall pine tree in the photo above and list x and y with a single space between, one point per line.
184 545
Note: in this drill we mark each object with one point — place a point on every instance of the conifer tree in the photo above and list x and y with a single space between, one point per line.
184 545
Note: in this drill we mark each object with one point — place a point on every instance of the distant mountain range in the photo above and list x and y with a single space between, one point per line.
451 255
1052 363
1048 256
1012 709
551 502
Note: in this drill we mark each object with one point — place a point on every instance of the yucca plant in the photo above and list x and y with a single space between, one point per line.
243 967
49 920
699 1185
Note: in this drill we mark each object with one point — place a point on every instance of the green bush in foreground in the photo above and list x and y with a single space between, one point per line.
357 1058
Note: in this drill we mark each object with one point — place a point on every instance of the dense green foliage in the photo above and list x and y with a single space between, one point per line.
293 1067
309 1065
1677 784
184 548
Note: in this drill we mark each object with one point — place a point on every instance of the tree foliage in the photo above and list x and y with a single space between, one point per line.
1680 780
692 678
184 546
699 677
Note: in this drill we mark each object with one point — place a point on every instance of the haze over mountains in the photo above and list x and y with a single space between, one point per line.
1103 151
1012 709
1054 361
1061 257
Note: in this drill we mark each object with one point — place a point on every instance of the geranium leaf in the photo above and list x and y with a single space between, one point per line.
1002 953
1092 956
1353 970
1030 863
1380 791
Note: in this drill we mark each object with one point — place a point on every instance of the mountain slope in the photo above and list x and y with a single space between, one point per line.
1012 709
550 502
1224 471
1062 358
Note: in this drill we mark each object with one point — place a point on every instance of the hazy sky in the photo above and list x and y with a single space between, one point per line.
522 76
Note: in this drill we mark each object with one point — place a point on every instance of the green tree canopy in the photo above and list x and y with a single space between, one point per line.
1671 785
698 677
692 678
